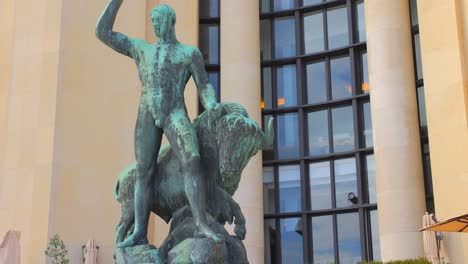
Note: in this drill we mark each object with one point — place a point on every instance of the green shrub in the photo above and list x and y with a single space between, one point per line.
409 261
57 251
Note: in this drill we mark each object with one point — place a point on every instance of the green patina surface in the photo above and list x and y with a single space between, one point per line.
200 169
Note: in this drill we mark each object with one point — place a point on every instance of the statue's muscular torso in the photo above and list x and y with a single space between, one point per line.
164 70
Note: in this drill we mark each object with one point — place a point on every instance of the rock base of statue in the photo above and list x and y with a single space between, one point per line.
180 247
138 254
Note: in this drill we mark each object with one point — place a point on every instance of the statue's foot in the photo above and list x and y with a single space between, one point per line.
134 239
205 231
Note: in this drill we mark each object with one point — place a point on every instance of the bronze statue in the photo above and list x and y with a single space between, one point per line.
164 69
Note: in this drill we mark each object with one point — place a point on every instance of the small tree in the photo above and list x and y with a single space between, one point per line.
57 251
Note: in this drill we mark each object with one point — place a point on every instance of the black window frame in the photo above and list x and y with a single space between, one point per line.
357 99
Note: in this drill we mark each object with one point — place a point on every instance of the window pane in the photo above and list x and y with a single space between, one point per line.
340 78
209 43
283 4
370 165
422 111
414 12
367 133
214 80
316 82
265 39
291 240
319 143
311 2
345 181
267 154
285 37
375 235
267 98
209 8
322 239
343 129
365 74
313 32
337 19
270 240
268 190
265 6
288 136
286 85
349 240
361 21
417 52
320 185
289 188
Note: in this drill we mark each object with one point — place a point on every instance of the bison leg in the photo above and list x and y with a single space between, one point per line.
233 210
126 222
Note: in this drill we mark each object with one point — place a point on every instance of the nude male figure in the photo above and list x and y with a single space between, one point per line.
164 69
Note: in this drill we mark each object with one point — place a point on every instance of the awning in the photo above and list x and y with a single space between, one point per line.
456 224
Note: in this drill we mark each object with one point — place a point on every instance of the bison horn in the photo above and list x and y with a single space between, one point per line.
268 136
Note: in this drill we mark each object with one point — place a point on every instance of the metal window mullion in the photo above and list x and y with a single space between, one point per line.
304 203
351 22
325 28
335 239
362 233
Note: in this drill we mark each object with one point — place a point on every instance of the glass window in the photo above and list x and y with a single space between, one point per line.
414 12
267 98
209 8
289 188
417 53
270 240
313 32
367 133
345 181
349 240
268 190
265 6
422 110
337 19
319 143
375 235
288 136
361 21
316 82
311 2
265 39
283 4
214 80
286 85
320 185
343 129
340 72
322 239
209 43
365 74
267 154
291 240
285 37
370 166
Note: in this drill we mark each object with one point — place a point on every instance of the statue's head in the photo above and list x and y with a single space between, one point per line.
238 138
163 18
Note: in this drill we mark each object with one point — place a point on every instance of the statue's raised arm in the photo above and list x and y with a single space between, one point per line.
104 30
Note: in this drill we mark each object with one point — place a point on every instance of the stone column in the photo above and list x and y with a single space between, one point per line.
240 82
444 50
30 41
399 174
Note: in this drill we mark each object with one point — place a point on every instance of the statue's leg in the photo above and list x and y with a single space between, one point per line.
184 143
147 143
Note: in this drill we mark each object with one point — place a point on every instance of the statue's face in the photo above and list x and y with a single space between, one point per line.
158 24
